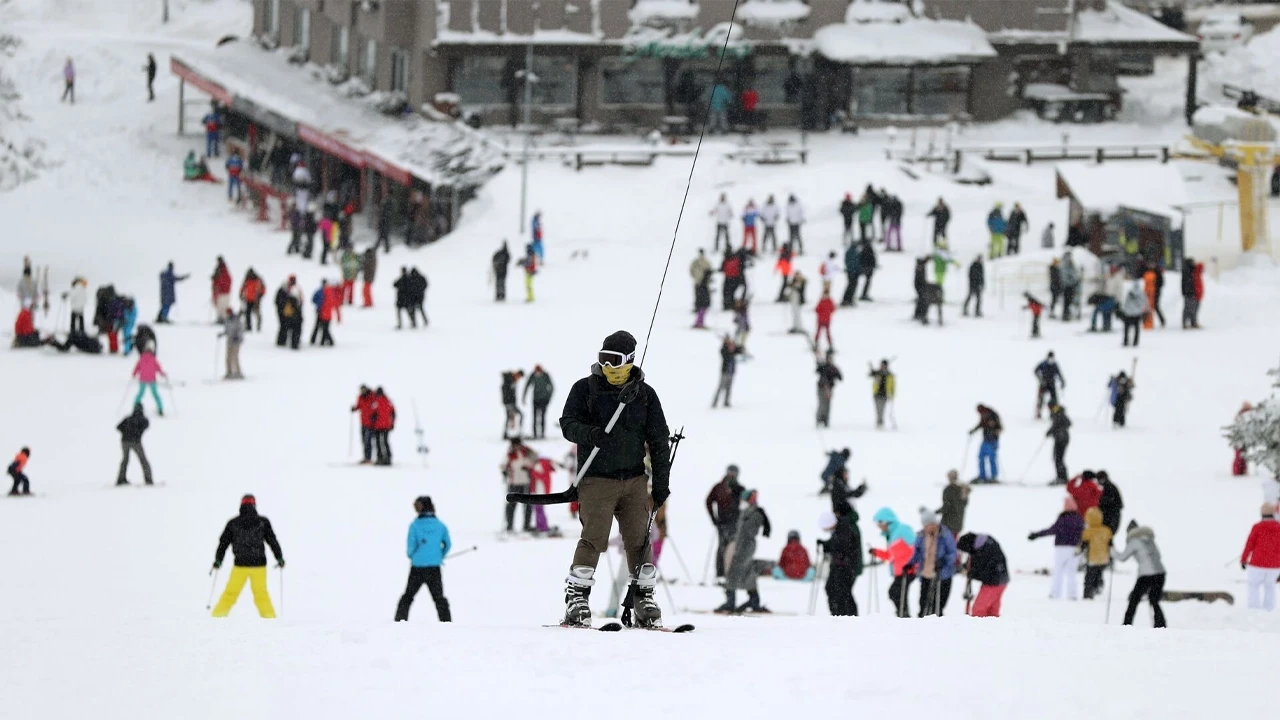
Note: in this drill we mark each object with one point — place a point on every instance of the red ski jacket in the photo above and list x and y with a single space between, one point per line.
24 325
221 281
384 414
794 561
1086 493
332 304
898 555
368 407
826 308
1262 549
541 476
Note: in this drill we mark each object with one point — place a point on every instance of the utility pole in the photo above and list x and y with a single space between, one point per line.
165 14
528 137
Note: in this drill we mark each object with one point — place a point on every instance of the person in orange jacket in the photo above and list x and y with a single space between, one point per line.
21 484
251 292
384 421
901 542
1149 286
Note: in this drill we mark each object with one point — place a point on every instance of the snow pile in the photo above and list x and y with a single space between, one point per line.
861 11
20 156
772 13
662 12
1117 23
1218 124
1148 186
1251 67
913 41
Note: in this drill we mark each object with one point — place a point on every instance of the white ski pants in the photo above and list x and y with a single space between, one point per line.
1064 573
1262 587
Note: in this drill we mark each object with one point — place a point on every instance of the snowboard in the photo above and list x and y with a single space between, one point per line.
1209 597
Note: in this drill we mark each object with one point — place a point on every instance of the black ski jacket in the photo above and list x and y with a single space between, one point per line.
844 547
132 427
642 427
977 276
501 261
986 560
245 535
509 381
828 375
1060 429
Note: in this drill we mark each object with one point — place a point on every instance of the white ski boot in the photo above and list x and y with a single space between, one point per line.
647 612
577 594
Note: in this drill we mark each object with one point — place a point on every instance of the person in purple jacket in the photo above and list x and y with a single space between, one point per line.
1066 532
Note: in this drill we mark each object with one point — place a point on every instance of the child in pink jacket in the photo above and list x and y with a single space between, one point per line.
146 371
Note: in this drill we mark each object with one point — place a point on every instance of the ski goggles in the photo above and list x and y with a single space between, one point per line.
611 358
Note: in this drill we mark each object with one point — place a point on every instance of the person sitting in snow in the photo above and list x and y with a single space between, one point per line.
196 169
24 330
794 563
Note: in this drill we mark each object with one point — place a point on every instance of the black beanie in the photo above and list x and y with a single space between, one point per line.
1133 525
424 504
620 342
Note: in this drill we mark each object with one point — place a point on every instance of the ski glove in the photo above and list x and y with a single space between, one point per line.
601 439
1243 565
280 564
660 495
217 564
1031 536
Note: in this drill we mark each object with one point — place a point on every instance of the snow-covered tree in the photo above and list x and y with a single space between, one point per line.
1258 431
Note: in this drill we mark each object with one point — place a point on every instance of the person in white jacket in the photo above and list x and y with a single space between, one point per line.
769 217
301 185
723 213
795 218
78 299
829 269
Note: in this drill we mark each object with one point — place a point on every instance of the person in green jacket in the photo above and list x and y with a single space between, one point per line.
866 213
350 264
941 259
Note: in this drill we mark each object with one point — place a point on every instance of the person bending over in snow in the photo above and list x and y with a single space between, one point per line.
21 484
1140 542
987 565
246 534
615 485
899 539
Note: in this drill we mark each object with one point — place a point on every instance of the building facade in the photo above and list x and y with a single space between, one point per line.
625 64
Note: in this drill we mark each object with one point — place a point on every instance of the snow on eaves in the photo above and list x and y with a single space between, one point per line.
1119 24
916 41
1148 186
861 11
662 12
538 37
430 150
772 12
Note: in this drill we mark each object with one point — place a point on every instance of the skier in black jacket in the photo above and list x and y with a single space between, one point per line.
977 283
515 416
1060 431
131 430
543 389
246 534
844 550
941 215
849 211
867 267
501 261
615 484
988 566
828 376
1111 504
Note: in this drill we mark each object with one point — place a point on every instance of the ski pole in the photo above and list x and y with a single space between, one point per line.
711 549
460 553
124 396
1111 585
208 605
964 459
1034 455
667 586
282 589
351 434
684 568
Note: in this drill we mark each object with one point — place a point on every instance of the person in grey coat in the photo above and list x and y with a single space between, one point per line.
233 331
741 574
1132 307
1140 543
1070 287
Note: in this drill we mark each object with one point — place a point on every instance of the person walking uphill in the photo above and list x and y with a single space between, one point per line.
246 534
500 263
146 370
1060 431
150 70
252 290
1140 542
828 376
741 572
427 547
977 283
722 507
168 292
221 282
729 353
543 389
900 541
883 388
988 566
955 500
131 430
1261 560
1066 532
996 225
989 424
69 79
615 485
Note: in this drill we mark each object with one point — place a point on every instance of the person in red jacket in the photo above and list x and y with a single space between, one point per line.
540 483
221 288
21 485
366 405
24 330
825 309
251 293
794 564
1085 490
750 101
1261 560
384 421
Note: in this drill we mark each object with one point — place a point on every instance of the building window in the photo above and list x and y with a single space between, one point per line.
557 80
940 91
772 78
302 29
341 46
482 80
882 91
399 70
369 62
273 18
631 81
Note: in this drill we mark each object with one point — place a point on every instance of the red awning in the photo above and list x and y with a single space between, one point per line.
331 145
216 91
389 171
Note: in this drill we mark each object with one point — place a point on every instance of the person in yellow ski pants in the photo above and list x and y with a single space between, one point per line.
246 535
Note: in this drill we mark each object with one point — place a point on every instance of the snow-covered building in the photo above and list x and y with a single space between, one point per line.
624 64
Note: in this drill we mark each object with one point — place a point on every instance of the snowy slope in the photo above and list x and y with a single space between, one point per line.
106 586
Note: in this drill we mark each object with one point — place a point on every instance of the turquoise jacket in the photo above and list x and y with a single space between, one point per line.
428 541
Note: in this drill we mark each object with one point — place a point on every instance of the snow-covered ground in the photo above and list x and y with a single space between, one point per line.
102 610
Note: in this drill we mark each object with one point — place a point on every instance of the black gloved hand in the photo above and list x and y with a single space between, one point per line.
660 494
1243 566
600 438
1031 536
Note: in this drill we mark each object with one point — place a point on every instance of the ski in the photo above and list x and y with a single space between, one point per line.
618 627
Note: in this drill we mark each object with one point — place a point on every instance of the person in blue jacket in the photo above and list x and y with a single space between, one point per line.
720 100
997 224
234 165
428 545
168 294
212 122
130 319
836 460
536 231
934 562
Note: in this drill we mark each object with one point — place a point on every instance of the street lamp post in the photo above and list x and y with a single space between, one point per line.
529 79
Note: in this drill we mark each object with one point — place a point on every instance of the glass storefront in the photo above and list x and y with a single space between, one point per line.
920 91
940 91
625 81
773 79
481 80
881 91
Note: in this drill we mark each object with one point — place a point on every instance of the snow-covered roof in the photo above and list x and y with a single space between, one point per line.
1148 186
1027 37
662 11
347 127
917 41
1119 24
772 12
876 11
538 37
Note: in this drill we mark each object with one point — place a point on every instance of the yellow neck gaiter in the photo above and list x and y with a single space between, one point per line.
616 375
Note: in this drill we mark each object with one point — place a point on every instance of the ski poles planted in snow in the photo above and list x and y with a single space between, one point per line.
1034 455
685 568
817 574
215 572
964 459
